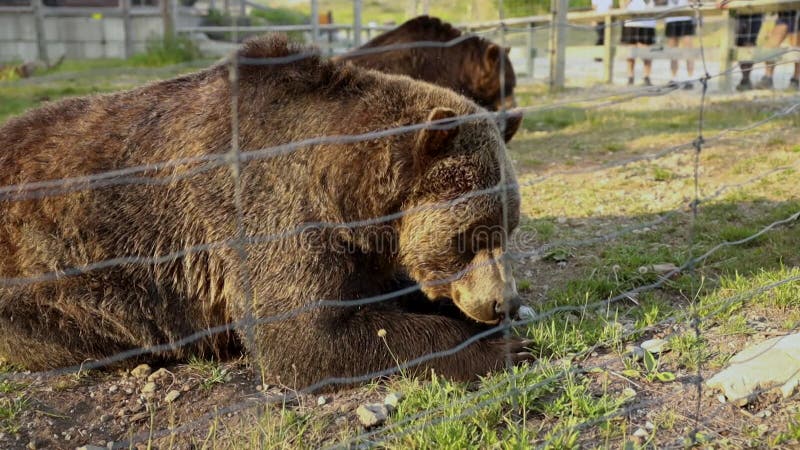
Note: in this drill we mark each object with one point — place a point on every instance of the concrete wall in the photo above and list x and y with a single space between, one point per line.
79 35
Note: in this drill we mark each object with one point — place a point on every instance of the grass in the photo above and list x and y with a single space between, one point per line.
211 372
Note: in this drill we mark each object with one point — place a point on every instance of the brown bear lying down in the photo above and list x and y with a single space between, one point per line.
98 313
470 66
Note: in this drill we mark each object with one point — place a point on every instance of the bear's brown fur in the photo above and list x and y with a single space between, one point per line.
100 312
470 66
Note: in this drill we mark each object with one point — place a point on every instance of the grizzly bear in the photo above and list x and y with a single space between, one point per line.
289 252
469 65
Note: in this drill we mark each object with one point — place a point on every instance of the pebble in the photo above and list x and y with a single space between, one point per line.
372 414
635 351
526 313
655 345
158 375
321 400
392 399
90 447
172 396
149 388
105 417
640 433
722 398
141 371
113 388
649 426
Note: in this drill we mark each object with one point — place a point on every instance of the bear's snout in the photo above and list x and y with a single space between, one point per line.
487 292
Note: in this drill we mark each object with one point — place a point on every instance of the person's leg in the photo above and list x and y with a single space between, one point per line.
747 30
631 64
794 41
688 42
672 42
777 36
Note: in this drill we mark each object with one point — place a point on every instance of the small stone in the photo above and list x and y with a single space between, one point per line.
372 414
392 399
562 220
649 426
526 313
321 400
90 447
722 398
149 388
141 371
113 388
635 352
655 345
186 388
763 414
172 396
640 433
340 421
159 374
128 391
106 417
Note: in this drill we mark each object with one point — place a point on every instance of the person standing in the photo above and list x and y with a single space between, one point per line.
680 32
639 33
786 25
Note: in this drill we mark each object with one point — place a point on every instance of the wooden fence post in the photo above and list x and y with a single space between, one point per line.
127 28
357 23
166 17
314 22
41 38
726 50
609 50
530 50
558 34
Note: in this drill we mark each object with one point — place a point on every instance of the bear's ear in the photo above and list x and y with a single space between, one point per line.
492 56
433 139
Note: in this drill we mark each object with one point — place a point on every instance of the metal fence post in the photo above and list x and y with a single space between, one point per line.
558 43
41 38
357 23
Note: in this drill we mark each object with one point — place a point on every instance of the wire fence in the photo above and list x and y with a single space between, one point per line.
510 389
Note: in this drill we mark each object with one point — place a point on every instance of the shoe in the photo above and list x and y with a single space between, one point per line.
765 83
647 82
672 84
688 86
794 84
744 85
630 81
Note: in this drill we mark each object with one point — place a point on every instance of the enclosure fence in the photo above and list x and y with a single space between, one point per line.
509 389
